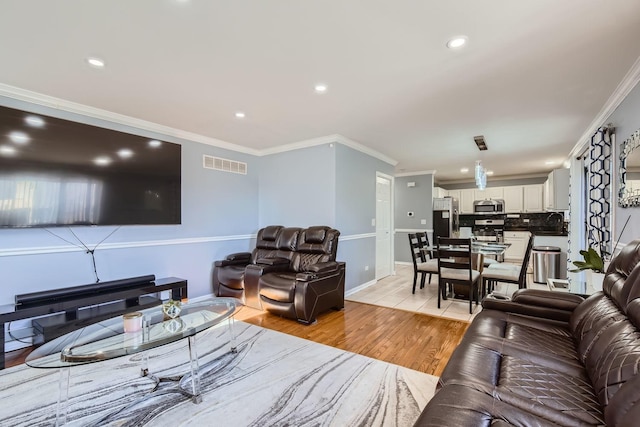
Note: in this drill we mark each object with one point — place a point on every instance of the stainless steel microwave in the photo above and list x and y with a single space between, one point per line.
488 206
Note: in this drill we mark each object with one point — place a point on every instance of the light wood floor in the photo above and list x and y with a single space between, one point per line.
417 341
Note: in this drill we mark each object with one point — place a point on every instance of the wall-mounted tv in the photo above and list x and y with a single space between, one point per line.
56 172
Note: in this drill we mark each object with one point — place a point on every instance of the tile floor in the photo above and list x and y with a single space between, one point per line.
395 291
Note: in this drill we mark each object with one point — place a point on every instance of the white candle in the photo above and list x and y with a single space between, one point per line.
132 322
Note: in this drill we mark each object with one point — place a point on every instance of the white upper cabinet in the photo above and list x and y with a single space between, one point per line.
533 198
439 192
557 190
467 196
513 199
489 193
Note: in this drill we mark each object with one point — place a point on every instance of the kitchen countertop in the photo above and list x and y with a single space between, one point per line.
538 232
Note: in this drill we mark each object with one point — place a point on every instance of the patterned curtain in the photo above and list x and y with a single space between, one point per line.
600 162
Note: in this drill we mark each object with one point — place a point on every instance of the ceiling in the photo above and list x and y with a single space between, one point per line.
532 79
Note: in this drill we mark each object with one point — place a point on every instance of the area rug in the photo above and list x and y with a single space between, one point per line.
274 379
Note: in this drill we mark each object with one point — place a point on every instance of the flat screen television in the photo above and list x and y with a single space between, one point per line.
56 172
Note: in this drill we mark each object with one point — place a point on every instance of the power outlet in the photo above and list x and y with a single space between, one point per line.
366 268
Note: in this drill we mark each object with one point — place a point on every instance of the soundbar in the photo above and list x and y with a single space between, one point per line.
41 297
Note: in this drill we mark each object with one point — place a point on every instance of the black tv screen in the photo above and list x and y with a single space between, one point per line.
56 172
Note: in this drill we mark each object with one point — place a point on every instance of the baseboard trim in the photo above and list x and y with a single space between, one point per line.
360 287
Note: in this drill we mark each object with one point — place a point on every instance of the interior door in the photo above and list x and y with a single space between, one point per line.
384 258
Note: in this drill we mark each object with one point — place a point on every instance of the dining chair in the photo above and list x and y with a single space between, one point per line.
454 268
421 265
500 273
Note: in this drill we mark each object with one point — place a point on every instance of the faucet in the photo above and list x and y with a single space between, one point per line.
559 222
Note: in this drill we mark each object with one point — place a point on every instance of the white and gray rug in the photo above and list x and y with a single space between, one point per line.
274 380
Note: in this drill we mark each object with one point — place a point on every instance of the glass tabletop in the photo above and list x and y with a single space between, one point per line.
108 339
484 248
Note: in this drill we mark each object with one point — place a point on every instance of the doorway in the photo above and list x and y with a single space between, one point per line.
384 225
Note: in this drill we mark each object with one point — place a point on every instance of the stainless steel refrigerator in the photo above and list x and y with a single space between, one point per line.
445 218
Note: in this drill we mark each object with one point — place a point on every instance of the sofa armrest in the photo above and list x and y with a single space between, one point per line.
273 261
537 303
240 258
323 267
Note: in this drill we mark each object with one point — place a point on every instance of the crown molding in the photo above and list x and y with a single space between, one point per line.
364 149
97 113
629 81
429 172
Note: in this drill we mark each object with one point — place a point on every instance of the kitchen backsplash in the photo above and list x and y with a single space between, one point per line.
546 222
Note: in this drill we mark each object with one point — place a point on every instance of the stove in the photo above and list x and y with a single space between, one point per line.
489 230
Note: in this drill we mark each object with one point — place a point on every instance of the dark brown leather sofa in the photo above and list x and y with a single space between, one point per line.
228 274
293 272
548 358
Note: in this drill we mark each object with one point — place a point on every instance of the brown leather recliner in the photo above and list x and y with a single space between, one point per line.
302 278
228 274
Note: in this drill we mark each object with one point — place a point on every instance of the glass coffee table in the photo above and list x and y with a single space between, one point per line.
126 335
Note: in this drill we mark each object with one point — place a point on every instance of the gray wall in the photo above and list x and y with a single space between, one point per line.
219 214
297 188
419 200
330 184
355 208
626 119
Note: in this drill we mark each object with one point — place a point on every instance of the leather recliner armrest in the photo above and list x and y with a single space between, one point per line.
273 261
323 267
239 256
537 303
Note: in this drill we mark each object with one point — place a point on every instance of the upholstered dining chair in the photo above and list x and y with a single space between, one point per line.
507 274
421 265
454 268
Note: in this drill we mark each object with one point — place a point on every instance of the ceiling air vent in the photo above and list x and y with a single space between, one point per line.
224 165
482 145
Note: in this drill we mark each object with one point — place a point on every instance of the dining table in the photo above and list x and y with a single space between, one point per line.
479 250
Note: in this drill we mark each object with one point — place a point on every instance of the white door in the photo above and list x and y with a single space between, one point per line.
383 227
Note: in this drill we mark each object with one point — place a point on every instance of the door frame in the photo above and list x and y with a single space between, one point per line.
392 234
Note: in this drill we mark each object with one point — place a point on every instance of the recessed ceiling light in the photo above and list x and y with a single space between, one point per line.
7 150
154 143
102 161
96 62
457 42
34 121
240 115
549 162
320 88
19 137
464 170
489 173
125 153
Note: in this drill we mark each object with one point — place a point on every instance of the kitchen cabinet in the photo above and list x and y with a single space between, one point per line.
513 199
557 190
467 196
489 193
439 192
519 241
533 198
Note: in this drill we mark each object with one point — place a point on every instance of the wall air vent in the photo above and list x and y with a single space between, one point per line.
224 165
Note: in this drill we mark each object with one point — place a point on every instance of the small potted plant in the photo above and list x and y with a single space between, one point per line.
594 265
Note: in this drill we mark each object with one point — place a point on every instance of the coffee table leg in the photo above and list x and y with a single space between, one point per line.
63 397
195 376
232 335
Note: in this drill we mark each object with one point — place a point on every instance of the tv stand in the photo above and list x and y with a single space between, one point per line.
75 307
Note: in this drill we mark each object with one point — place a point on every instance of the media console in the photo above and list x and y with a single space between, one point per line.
78 306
